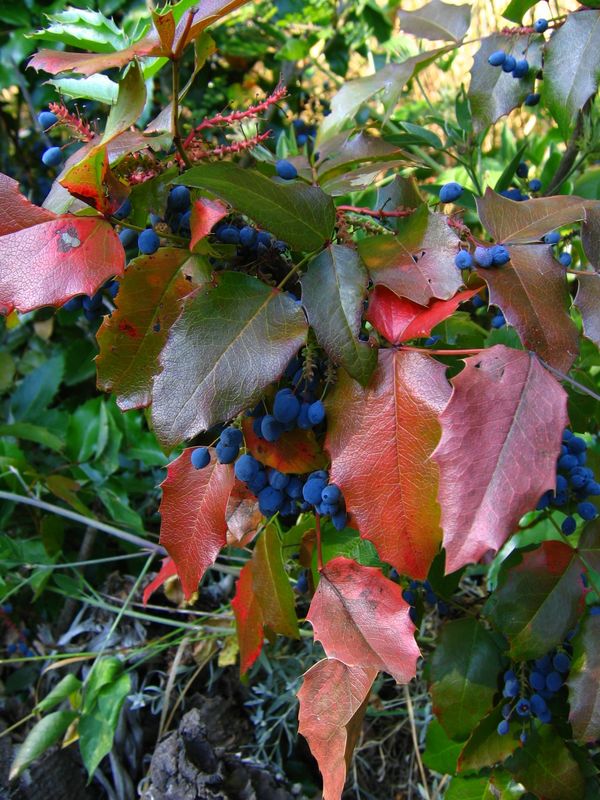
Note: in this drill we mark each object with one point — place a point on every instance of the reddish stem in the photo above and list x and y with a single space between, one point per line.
319 548
377 214
432 352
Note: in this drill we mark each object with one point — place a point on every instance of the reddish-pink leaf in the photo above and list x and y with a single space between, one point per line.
167 570
242 514
380 440
248 619
17 211
587 301
532 292
501 436
93 181
294 451
333 700
56 61
361 618
399 319
205 214
194 528
50 262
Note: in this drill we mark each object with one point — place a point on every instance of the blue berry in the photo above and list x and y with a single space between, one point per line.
537 681
484 256
331 494
503 727
567 435
568 526
278 480
565 259
552 238
520 71
285 169
52 157
506 710
577 445
478 302
294 488
535 185
510 62
450 192
500 255
339 520
540 25
264 238
270 501
179 199
544 501
302 583
226 454
543 664
586 511
248 236
232 437
74 304
498 321
561 662
92 303
270 428
47 119
509 675
554 681
567 462
128 238
246 467
228 235
409 596
512 194
561 483
511 688
286 406
7 608
148 242
523 707
312 490
592 488
303 422
316 412
532 99
522 170
200 457
258 482
497 58
463 259
538 704
545 716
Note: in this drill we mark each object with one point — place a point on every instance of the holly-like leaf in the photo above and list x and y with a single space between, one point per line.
516 9
441 753
93 181
437 21
205 214
272 586
333 290
45 263
390 430
534 297
487 484
237 338
129 106
537 600
418 262
248 619
572 67
590 236
485 746
360 618
17 211
584 682
333 700
587 301
294 451
399 319
464 675
527 221
83 28
496 786
243 515
546 767
301 215
166 571
132 337
194 527
494 93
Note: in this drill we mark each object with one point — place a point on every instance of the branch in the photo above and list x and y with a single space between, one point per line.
378 214
569 156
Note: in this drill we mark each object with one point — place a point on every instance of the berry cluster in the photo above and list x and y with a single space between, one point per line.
92 305
529 693
422 590
177 218
17 635
485 257
53 156
517 67
303 131
574 484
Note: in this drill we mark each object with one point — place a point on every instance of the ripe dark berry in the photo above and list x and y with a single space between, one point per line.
498 321
568 526
339 520
565 259
523 707
269 501
74 304
286 170
540 25
248 236
463 259
124 210
47 119
552 238
258 482
246 467
532 99
278 480
294 488
522 170
52 157
478 302
537 681
200 457
500 255
561 662
535 185
554 681
228 235
331 494
450 192
270 428
511 688
128 238
286 406
226 454
232 437
520 71
503 727
586 511
312 490
510 62
484 256
179 199
316 412
538 704
148 242
497 58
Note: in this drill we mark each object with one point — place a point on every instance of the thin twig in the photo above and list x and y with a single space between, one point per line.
570 380
175 114
474 352
378 214
415 739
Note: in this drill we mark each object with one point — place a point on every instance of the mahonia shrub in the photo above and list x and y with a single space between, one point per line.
385 379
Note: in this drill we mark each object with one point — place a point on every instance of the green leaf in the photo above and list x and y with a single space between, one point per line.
572 67
7 371
422 134
65 687
37 390
40 738
130 104
537 599
87 432
516 9
464 674
301 215
333 289
86 30
98 725
498 786
437 21
104 672
508 173
272 587
494 93
96 87
485 747
584 682
32 433
546 767
237 338
441 753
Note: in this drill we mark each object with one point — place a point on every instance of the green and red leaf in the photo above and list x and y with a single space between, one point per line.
248 619
205 214
296 451
272 586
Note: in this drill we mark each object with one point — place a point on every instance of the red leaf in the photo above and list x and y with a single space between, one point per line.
17 211
399 319
167 570
294 451
360 618
380 440
242 514
587 301
194 527
92 181
501 436
205 214
56 61
47 263
248 619
333 700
